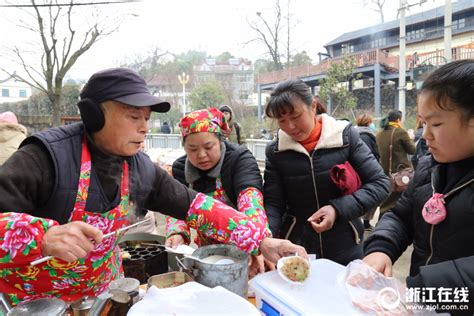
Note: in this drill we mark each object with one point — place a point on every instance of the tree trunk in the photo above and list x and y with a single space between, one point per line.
56 109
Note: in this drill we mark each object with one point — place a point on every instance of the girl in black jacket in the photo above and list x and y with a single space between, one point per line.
303 204
436 213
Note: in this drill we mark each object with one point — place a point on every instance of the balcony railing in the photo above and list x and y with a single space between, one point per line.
173 141
367 58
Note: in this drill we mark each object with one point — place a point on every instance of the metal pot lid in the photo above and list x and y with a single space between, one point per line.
83 303
40 307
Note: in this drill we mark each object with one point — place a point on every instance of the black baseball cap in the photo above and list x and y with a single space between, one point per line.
123 85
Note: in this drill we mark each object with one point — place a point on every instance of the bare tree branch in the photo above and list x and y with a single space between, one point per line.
269 35
27 69
65 4
378 7
61 45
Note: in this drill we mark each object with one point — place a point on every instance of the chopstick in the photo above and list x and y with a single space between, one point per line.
114 233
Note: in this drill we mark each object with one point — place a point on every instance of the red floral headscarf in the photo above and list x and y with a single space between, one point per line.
210 120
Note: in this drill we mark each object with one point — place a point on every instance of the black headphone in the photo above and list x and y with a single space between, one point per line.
91 114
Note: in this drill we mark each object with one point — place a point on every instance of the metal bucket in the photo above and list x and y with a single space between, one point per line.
233 277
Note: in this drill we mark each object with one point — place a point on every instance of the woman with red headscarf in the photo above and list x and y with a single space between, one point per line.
218 168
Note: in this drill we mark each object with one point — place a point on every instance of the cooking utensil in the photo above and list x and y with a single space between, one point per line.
218 262
41 306
82 306
114 233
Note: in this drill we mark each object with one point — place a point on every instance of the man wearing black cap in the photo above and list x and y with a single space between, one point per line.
68 186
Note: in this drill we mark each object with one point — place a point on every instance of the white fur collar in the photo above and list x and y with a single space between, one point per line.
331 136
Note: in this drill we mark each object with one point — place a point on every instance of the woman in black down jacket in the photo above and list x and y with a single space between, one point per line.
443 250
227 172
302 202
366 128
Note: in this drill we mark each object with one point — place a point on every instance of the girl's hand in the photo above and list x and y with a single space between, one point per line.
380 262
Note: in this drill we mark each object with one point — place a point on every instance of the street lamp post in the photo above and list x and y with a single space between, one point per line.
183 79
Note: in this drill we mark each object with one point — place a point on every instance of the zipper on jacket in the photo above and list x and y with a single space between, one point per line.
431 245
293 223
317 199
356 233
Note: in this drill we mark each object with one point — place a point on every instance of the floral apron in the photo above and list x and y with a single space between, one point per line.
219 195
86 276
176 226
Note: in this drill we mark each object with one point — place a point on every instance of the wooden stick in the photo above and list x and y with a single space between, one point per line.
114 233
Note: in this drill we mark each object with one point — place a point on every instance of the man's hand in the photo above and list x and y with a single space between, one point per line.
70 241
174 241
256 265
323 219
274 249
380 262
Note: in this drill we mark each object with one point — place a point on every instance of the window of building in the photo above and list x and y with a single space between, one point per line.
416 34
347 48
5 93
459 24
22 93
379 42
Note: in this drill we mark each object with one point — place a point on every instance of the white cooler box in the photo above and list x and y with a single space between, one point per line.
319 295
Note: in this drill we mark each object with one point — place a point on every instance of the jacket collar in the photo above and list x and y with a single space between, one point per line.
365 129
10 127
191 173
444 180
331 136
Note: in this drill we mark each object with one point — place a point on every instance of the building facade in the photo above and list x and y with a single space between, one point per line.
376 51
12 90
236 76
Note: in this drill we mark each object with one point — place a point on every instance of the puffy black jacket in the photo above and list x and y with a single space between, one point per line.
443 254
298 184
368 136
239 171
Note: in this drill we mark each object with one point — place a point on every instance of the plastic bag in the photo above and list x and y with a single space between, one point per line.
194 299
374 293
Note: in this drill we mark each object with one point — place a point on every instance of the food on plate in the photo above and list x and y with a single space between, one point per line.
126 255
295 268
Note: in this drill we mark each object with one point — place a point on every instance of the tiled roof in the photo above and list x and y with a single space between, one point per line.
432 14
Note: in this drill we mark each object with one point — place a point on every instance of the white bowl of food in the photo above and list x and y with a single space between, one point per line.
294 269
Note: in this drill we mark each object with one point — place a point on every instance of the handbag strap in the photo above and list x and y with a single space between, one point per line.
390 149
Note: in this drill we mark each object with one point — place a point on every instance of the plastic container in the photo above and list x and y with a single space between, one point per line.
167 280
319 295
